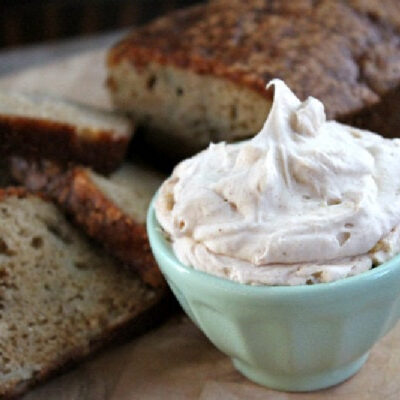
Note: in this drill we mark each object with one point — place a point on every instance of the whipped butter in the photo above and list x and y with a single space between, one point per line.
306 200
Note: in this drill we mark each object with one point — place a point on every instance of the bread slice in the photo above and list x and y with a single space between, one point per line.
199 74
37 125
110 210
61 296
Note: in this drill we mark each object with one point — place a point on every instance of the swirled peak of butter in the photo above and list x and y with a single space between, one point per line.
306 200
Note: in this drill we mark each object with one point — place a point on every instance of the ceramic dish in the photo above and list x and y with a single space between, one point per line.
292 338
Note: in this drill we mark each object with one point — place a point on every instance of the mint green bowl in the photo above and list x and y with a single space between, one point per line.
292 338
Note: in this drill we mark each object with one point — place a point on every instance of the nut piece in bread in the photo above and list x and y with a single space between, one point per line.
61 296
199 74
110 210
36 125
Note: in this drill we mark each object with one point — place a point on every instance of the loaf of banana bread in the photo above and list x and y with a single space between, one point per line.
199 75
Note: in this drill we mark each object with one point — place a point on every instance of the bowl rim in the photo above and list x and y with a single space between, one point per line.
164 249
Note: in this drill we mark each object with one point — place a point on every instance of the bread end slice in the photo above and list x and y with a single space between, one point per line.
44 126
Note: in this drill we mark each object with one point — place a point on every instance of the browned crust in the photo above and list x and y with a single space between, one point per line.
91 210
14 191
158 47
41 138
343 52
142 318
21 193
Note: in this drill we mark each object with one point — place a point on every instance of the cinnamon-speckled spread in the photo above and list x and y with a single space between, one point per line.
306 200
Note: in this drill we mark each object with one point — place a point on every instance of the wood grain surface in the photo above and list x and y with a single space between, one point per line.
175 361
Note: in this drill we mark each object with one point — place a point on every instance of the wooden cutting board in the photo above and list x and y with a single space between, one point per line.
175 361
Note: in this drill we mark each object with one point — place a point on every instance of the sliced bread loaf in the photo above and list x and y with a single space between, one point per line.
60 296
36 125
110 210
199 75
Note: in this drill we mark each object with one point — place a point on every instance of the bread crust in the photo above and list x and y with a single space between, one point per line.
16 191
342 52
41 138
76 193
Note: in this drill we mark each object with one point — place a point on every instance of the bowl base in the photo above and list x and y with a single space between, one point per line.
302 383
